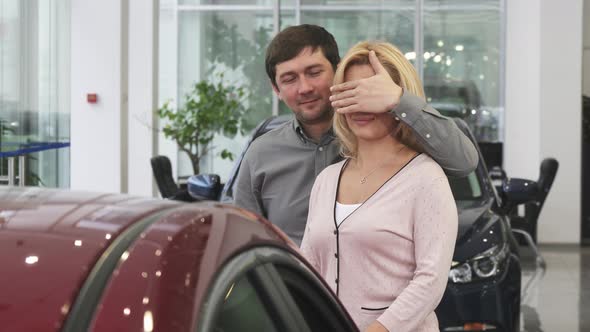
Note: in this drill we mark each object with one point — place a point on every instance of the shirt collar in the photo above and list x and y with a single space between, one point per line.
327 137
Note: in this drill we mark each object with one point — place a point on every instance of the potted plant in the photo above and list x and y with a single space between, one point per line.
208 109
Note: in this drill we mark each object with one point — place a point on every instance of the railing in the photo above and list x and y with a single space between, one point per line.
21 150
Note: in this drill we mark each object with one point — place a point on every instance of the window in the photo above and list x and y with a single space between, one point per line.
230 40
318 306
466 188
243 310
34 85
268 289
463 56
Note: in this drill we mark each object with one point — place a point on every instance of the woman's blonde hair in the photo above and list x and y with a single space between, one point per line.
403 74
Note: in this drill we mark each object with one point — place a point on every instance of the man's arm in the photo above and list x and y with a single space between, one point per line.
438 135
247 191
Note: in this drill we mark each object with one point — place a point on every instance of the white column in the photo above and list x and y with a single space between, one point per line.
543 106
143 95
168 72
96 61
523 89
586 60
561 117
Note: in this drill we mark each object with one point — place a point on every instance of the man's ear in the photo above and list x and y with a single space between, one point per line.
276 90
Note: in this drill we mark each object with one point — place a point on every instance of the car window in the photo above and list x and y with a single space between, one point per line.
246 295
466 188
243 310
318 306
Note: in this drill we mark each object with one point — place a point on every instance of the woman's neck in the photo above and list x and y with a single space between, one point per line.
371 153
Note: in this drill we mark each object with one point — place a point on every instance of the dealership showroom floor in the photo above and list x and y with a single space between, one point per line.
556 299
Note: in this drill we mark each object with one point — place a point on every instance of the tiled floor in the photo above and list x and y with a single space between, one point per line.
557 299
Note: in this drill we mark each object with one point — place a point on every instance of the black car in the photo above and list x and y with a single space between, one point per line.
483 291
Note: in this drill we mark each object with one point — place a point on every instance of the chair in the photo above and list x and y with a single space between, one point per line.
162 170
527 224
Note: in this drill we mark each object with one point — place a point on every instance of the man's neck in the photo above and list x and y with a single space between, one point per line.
317 130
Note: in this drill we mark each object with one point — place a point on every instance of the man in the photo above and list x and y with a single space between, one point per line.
279 168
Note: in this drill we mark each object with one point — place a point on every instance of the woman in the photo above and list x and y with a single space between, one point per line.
382 223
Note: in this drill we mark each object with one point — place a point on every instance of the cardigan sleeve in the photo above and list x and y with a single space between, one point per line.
434 234
306 249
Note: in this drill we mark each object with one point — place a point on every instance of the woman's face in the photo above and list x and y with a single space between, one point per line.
367 126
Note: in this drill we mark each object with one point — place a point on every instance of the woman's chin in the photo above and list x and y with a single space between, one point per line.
369 137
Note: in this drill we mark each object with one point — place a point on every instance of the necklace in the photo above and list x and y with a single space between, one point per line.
364 178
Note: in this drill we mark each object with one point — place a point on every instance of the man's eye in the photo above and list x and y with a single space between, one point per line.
288 80
315 73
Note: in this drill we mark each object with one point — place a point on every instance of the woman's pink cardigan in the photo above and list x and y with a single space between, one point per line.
389 260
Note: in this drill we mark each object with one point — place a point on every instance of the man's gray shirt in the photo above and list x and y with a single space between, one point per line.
280 167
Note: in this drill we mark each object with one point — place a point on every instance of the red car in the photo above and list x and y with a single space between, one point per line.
75 261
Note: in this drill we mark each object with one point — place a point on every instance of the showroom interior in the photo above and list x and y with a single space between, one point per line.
88 77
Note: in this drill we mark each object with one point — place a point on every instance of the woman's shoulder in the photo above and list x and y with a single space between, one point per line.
426 168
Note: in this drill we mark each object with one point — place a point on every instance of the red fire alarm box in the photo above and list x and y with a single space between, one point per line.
92 98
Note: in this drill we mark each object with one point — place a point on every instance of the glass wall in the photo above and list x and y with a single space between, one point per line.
456 45
34 86
212 40
463 62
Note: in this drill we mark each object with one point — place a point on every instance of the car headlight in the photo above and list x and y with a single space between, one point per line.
482 266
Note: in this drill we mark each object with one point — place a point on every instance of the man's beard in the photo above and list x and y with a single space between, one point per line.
325 114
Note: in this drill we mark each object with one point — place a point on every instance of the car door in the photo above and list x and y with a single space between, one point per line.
270 289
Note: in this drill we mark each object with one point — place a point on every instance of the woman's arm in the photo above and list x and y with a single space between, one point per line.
306 248
435 233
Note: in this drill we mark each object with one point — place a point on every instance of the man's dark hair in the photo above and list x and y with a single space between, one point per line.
288 43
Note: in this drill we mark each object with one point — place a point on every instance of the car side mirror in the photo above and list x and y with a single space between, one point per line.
519 191
204 187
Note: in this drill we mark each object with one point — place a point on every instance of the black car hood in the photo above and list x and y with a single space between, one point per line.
479 229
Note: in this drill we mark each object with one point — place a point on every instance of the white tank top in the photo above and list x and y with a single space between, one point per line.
344 210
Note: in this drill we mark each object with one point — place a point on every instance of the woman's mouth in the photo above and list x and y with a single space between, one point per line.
361 119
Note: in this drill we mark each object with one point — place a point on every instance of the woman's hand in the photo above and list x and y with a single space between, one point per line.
376 327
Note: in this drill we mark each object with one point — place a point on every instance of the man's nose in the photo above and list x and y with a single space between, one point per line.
304 86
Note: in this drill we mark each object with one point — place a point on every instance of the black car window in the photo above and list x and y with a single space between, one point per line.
243 310
246 296
466 188
316 303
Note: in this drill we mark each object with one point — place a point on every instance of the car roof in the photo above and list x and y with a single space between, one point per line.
51 240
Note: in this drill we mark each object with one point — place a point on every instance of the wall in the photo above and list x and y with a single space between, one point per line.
96 60
143 94
114 54
543 117
586 51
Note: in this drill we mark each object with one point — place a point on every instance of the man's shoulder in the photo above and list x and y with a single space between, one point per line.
273 141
